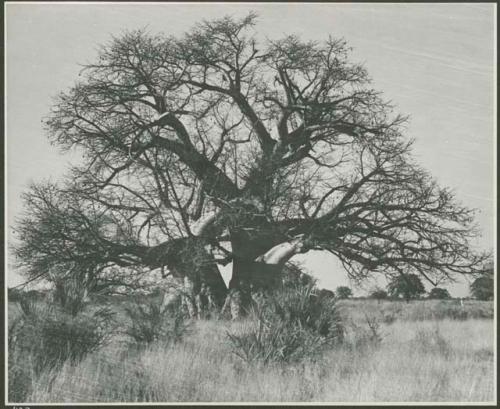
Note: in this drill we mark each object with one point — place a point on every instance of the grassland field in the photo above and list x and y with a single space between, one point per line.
421 351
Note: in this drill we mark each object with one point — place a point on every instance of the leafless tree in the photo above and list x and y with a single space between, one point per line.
278 148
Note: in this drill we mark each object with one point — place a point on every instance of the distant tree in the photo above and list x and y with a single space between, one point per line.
343 292
438 293
378 294
482 287
408 286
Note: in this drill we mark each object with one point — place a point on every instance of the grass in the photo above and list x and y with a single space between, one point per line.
410 358
43 337
416 310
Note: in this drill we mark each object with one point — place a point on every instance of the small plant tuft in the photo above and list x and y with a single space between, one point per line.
365 335
433 341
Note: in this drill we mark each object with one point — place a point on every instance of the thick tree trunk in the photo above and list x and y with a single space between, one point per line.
257 267
245 250
250 277
200 294
198 279
203 294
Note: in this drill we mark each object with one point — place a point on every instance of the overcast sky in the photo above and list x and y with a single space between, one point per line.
436 62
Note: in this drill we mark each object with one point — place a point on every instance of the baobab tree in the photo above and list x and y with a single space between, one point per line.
215 148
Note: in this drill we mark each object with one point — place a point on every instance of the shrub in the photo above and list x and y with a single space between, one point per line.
432 341
293 274
343 292
30 306
150 323
389 318
408 286
364 336
324 293
43 337
438 293
55 336
291 325
378 294
482 288
14 294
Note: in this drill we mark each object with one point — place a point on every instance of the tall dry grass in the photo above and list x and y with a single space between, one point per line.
423 361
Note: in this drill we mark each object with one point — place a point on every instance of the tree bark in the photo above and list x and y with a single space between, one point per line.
257 267
200 283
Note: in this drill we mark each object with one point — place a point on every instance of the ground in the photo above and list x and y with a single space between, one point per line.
422 351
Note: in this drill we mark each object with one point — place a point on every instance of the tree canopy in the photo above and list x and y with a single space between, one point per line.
378 294
407 286
276 147
483 286
438 293
343 292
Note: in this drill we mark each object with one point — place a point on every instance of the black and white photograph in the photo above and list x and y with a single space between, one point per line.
250 203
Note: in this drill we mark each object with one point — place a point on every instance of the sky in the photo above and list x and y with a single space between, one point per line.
435 62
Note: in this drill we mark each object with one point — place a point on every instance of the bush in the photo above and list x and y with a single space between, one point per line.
365 336
42 338
408 286
291 325
389 318
343 292
483 288
438 293
378 294
14 294
149 323
432 341
54 336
